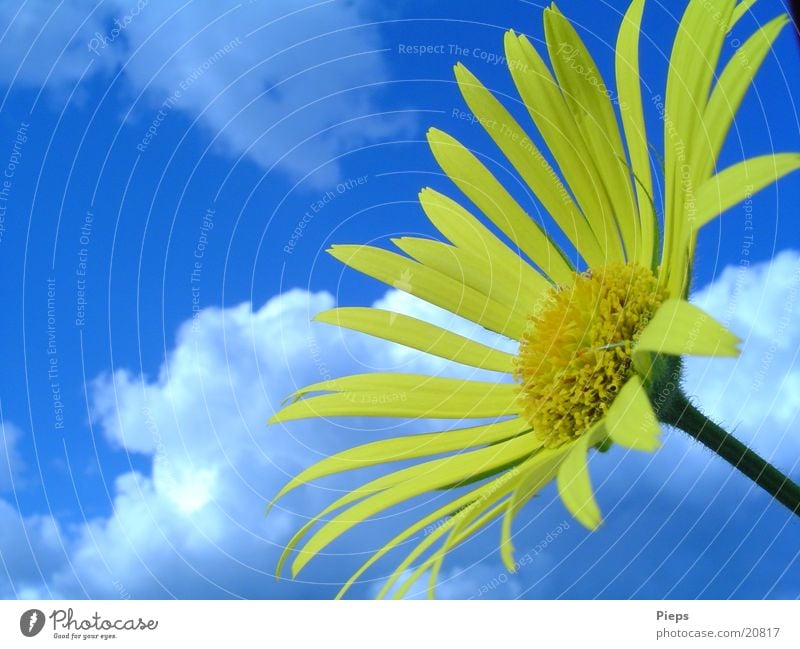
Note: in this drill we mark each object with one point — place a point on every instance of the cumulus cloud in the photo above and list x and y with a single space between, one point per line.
282 82
194 526
31 552
759 392
678 523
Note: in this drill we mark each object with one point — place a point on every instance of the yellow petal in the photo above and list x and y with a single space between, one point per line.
439 520
432 286
587 97
485 275
411 474
468 233
388 382
461 520
428 399
522 482
530 164
574 484
436 558
679 328
406 448
483 189
694 59
534 474
482 508
630 420
731 88
741 181
550 113
420 335
506 542
629 86
438 474
741 9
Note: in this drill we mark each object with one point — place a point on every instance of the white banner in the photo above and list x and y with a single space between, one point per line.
378 625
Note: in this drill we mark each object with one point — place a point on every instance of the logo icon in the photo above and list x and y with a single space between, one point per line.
31 622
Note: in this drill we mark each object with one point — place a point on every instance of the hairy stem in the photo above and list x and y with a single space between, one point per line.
682 414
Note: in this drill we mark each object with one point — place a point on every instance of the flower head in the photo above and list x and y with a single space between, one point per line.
583 336
597 323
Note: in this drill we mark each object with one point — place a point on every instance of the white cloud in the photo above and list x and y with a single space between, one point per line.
194 525
293 87
758 392
47 43
31 551
198 521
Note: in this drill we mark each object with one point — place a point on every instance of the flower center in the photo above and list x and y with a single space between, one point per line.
575 354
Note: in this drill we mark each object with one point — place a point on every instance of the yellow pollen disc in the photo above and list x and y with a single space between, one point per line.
575 354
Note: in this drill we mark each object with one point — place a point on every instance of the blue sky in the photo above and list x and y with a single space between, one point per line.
157 301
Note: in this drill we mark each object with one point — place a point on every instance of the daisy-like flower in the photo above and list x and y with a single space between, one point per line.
601 325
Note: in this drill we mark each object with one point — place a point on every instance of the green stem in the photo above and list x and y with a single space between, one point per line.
682 414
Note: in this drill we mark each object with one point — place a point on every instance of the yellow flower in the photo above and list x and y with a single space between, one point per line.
597 346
